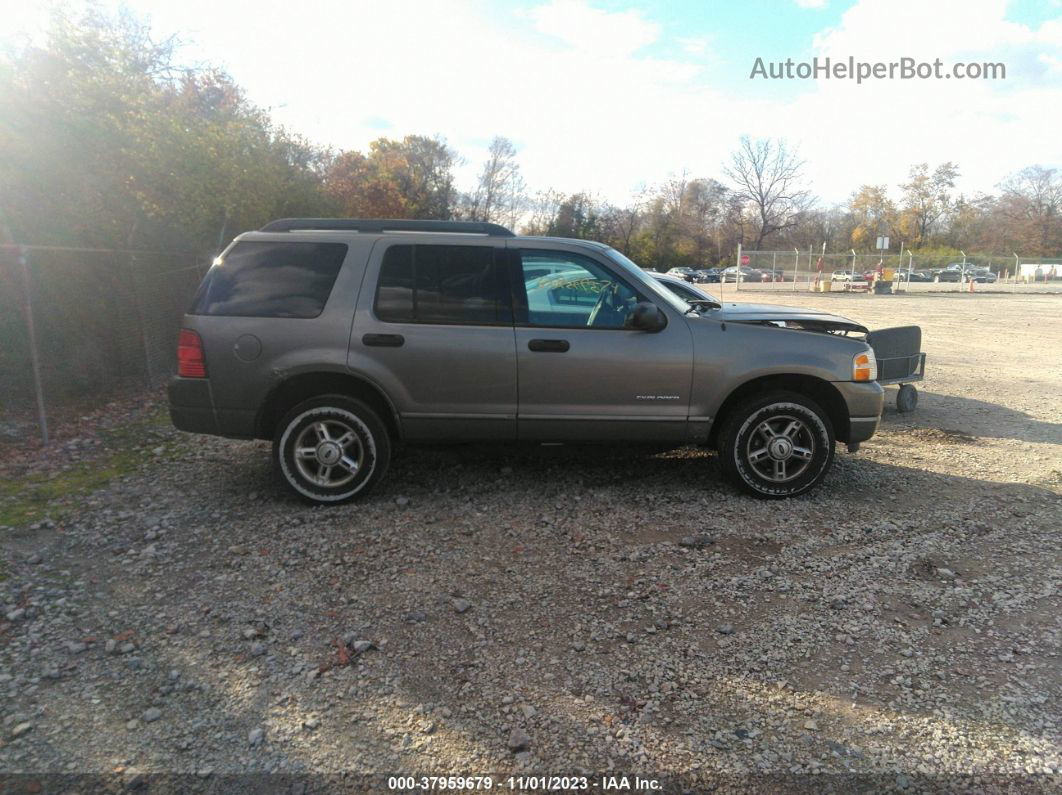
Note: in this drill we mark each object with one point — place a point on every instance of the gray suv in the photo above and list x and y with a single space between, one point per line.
337 339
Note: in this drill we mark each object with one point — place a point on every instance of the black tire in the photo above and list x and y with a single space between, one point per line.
303 454
741 438
906 399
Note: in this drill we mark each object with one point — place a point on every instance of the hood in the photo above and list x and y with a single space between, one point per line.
791 316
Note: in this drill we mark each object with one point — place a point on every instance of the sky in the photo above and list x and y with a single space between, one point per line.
606 96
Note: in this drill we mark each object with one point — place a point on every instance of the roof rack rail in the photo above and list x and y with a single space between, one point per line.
384 225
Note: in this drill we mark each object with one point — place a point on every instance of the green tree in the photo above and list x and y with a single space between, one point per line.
106 141
411 178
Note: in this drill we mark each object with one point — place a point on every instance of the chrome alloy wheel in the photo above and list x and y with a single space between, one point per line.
781 448
328 453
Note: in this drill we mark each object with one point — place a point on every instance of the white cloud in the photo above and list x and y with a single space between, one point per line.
695 45
578 24
990 128
589 109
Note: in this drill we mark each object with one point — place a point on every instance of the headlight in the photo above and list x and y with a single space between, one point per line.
864 367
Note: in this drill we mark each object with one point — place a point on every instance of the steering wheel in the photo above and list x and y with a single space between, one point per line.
605 299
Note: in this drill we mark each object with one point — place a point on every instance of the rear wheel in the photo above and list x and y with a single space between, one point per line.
779 444
331 449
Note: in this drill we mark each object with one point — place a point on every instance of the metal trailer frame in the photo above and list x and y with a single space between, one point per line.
900 361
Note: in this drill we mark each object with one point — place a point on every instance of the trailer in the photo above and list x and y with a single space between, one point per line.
900 359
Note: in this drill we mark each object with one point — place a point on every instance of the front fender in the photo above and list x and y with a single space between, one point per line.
728 355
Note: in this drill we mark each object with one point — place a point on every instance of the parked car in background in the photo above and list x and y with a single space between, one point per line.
737 273
338 339
965 272
686 291
707 275
914 276
954 272
682 273
847 276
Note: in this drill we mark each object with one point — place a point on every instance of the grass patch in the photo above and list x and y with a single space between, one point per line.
32 498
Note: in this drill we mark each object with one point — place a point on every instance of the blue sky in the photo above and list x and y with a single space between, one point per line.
607 96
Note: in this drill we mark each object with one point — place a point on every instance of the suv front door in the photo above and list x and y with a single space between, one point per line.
583 374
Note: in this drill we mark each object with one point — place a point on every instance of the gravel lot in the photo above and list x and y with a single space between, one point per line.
564 611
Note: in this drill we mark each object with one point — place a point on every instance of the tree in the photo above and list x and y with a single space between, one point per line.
107 142
767 177
619 224
926 200
411 178
872 214
578 216
499 196
1031 205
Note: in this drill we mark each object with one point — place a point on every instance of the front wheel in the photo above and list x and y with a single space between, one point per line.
778 445
330 449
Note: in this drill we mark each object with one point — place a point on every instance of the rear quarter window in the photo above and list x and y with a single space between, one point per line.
271 279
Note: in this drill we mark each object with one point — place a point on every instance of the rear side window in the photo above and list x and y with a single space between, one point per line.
265 279
443 284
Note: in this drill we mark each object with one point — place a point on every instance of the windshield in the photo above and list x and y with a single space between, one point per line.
651 285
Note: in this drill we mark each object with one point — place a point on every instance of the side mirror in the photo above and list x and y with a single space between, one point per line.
647 317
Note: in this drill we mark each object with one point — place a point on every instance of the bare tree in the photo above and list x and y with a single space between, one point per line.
543 215
500 194
768 175
1032 203
621 223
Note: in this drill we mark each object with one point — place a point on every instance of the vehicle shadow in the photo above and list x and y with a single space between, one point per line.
971 417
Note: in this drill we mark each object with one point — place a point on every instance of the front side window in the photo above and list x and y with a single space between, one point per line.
266 279
442 284
568 290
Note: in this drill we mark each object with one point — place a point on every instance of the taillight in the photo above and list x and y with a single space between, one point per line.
191 363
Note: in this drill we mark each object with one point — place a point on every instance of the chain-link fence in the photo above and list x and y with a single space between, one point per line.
797 270
78 326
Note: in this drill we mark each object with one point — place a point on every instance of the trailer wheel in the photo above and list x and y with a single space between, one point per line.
907 399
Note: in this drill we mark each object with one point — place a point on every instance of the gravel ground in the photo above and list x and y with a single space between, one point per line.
562 611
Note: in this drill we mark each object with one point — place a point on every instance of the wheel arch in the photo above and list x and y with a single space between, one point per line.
303 386
821 391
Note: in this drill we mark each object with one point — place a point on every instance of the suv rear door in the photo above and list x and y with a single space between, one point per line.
433 327
582 374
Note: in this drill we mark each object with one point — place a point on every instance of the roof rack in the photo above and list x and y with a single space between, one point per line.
384 225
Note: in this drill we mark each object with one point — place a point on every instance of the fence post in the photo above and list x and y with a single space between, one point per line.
737 275
31 332
140 320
